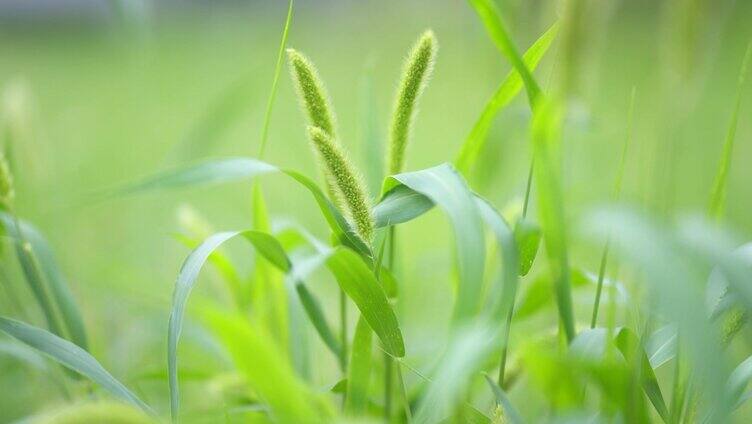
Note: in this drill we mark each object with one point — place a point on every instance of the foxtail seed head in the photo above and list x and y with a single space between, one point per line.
311 92
416 73
7 192
346 179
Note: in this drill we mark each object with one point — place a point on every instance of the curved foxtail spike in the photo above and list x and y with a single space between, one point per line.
311 92
346 179
418 68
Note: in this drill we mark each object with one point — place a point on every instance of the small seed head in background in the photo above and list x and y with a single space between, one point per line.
347 180
416 73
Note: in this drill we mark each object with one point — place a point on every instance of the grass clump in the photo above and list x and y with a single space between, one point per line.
417 71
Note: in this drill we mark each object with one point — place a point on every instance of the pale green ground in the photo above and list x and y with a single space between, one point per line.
109 108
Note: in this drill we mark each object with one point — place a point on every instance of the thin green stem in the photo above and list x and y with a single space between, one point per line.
527 188
273 93
343 329
388 358
405 399
505 348
599 288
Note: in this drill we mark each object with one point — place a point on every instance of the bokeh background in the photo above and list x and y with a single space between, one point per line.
100 93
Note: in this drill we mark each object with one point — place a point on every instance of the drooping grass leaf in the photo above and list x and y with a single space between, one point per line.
400 204
235 169
661 346
359 373
739 379
474 143
317 318
39 253
491 17
189 272
70 356
546 138
718 195
446 188
511 412
266 371
358 281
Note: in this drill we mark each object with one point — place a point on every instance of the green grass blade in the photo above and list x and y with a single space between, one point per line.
237 169
474 143
359 375
528 235
70 356
275 82
511 412
661 346
400 204
718 195
358 282
316 316
46 281
739 379
189 272
266 371
446 188
629 344
492 21
546 137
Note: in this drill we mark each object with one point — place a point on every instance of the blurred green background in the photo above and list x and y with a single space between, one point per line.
102 93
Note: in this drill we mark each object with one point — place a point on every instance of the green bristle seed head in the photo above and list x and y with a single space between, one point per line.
311 92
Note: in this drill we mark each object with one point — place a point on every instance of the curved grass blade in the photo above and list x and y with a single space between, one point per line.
400 204
42 252
629 344
70 356
546 137
739 380
501 398
264 243
236 169
507 91
316 315
718 195
359 375
446 188
491 18
356 279
266 370
661 346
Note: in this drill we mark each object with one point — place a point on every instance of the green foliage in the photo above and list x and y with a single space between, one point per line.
415 76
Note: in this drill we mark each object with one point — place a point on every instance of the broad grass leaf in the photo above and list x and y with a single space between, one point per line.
189 272
400 204
510 412
528 236
41 255
446 188
69 355
474 143
357 280
359 373
266 370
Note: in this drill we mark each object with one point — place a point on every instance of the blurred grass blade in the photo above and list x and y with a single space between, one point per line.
629 344
491 17
317 318
473 145
266 370
70 356
41 255
739 380
546 138
359 373
91 412
224 110
357 280
511 412
446 188
189 272
236 169
718 195
661 346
